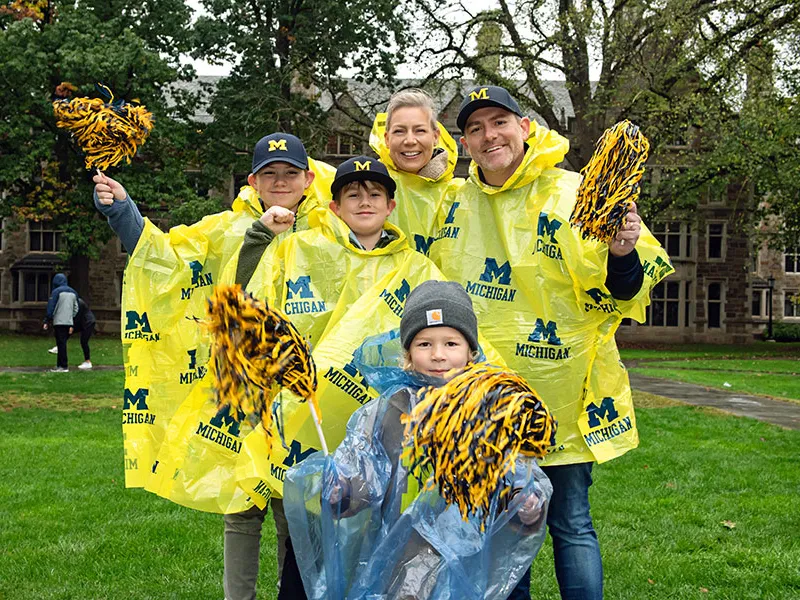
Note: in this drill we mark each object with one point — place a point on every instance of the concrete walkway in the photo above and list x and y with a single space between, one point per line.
779 412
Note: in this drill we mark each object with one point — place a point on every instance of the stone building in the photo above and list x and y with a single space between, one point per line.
719 292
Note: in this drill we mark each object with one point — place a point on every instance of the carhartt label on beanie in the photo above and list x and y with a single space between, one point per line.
434 316
439 304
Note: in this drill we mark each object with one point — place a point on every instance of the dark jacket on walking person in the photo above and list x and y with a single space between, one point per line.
61 312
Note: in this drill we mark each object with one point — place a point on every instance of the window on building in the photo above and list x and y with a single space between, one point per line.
462 151
791 304
791 260
31 286
344 144
714 302
675 237
759 303
687 303
716 240
665 302
44 237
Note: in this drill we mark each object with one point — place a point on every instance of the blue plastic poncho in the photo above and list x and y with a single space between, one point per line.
362 529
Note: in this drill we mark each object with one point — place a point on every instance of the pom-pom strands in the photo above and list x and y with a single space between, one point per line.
610 182
107 131
256 348
469 432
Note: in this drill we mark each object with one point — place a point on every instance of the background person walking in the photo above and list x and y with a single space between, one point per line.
61 311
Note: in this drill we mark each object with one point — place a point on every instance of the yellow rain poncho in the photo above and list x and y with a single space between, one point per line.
166 283
336 295
539 292
418 198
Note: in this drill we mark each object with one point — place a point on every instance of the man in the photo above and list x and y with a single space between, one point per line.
549 302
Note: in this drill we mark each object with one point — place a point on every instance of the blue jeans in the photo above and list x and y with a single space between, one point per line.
579 568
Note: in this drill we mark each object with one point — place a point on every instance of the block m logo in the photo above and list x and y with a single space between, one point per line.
277 145
492 271
606 411
598 295
451 214
481 94
224 421
197 267
301 286
423 244
403 291
362 166
547 332
351 369
548 227
137 400
133 320
296 454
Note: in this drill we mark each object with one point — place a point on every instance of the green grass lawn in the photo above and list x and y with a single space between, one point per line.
718 351
76 382
70 529
17 350
761 365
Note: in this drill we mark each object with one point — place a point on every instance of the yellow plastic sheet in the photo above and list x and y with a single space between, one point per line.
336 295
418 198
166 283
539 292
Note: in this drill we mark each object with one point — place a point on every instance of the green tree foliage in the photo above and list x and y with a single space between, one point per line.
133 48
285 54
679 68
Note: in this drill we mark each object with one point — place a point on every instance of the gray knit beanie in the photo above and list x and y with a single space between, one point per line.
438 303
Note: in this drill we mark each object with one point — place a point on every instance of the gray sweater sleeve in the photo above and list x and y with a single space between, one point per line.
125 219
256 240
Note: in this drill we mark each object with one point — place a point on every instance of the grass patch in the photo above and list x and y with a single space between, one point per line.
785 386
678 351
59 402
74 383
759 365
70 530
648 400
18 350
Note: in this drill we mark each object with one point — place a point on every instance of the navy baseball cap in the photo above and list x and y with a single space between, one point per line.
279 147
362 168
482 96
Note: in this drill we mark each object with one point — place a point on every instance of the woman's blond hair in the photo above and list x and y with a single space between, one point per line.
411 98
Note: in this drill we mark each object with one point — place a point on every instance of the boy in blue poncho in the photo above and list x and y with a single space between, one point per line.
377 534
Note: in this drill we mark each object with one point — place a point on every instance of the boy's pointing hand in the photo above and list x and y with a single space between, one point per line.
277 219
108 190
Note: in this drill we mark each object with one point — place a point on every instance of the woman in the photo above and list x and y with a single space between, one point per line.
421 157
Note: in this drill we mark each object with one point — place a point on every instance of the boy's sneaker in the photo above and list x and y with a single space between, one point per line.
87 364
53 350
59 370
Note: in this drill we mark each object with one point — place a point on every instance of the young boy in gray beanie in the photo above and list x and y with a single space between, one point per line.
373 482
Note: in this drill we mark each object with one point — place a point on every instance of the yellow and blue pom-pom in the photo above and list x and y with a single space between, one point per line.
611 182
468 433
107 130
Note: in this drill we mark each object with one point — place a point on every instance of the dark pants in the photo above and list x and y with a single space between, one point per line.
86 333
62 333
579 569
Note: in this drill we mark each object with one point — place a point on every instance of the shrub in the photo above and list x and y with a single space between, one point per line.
786 332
